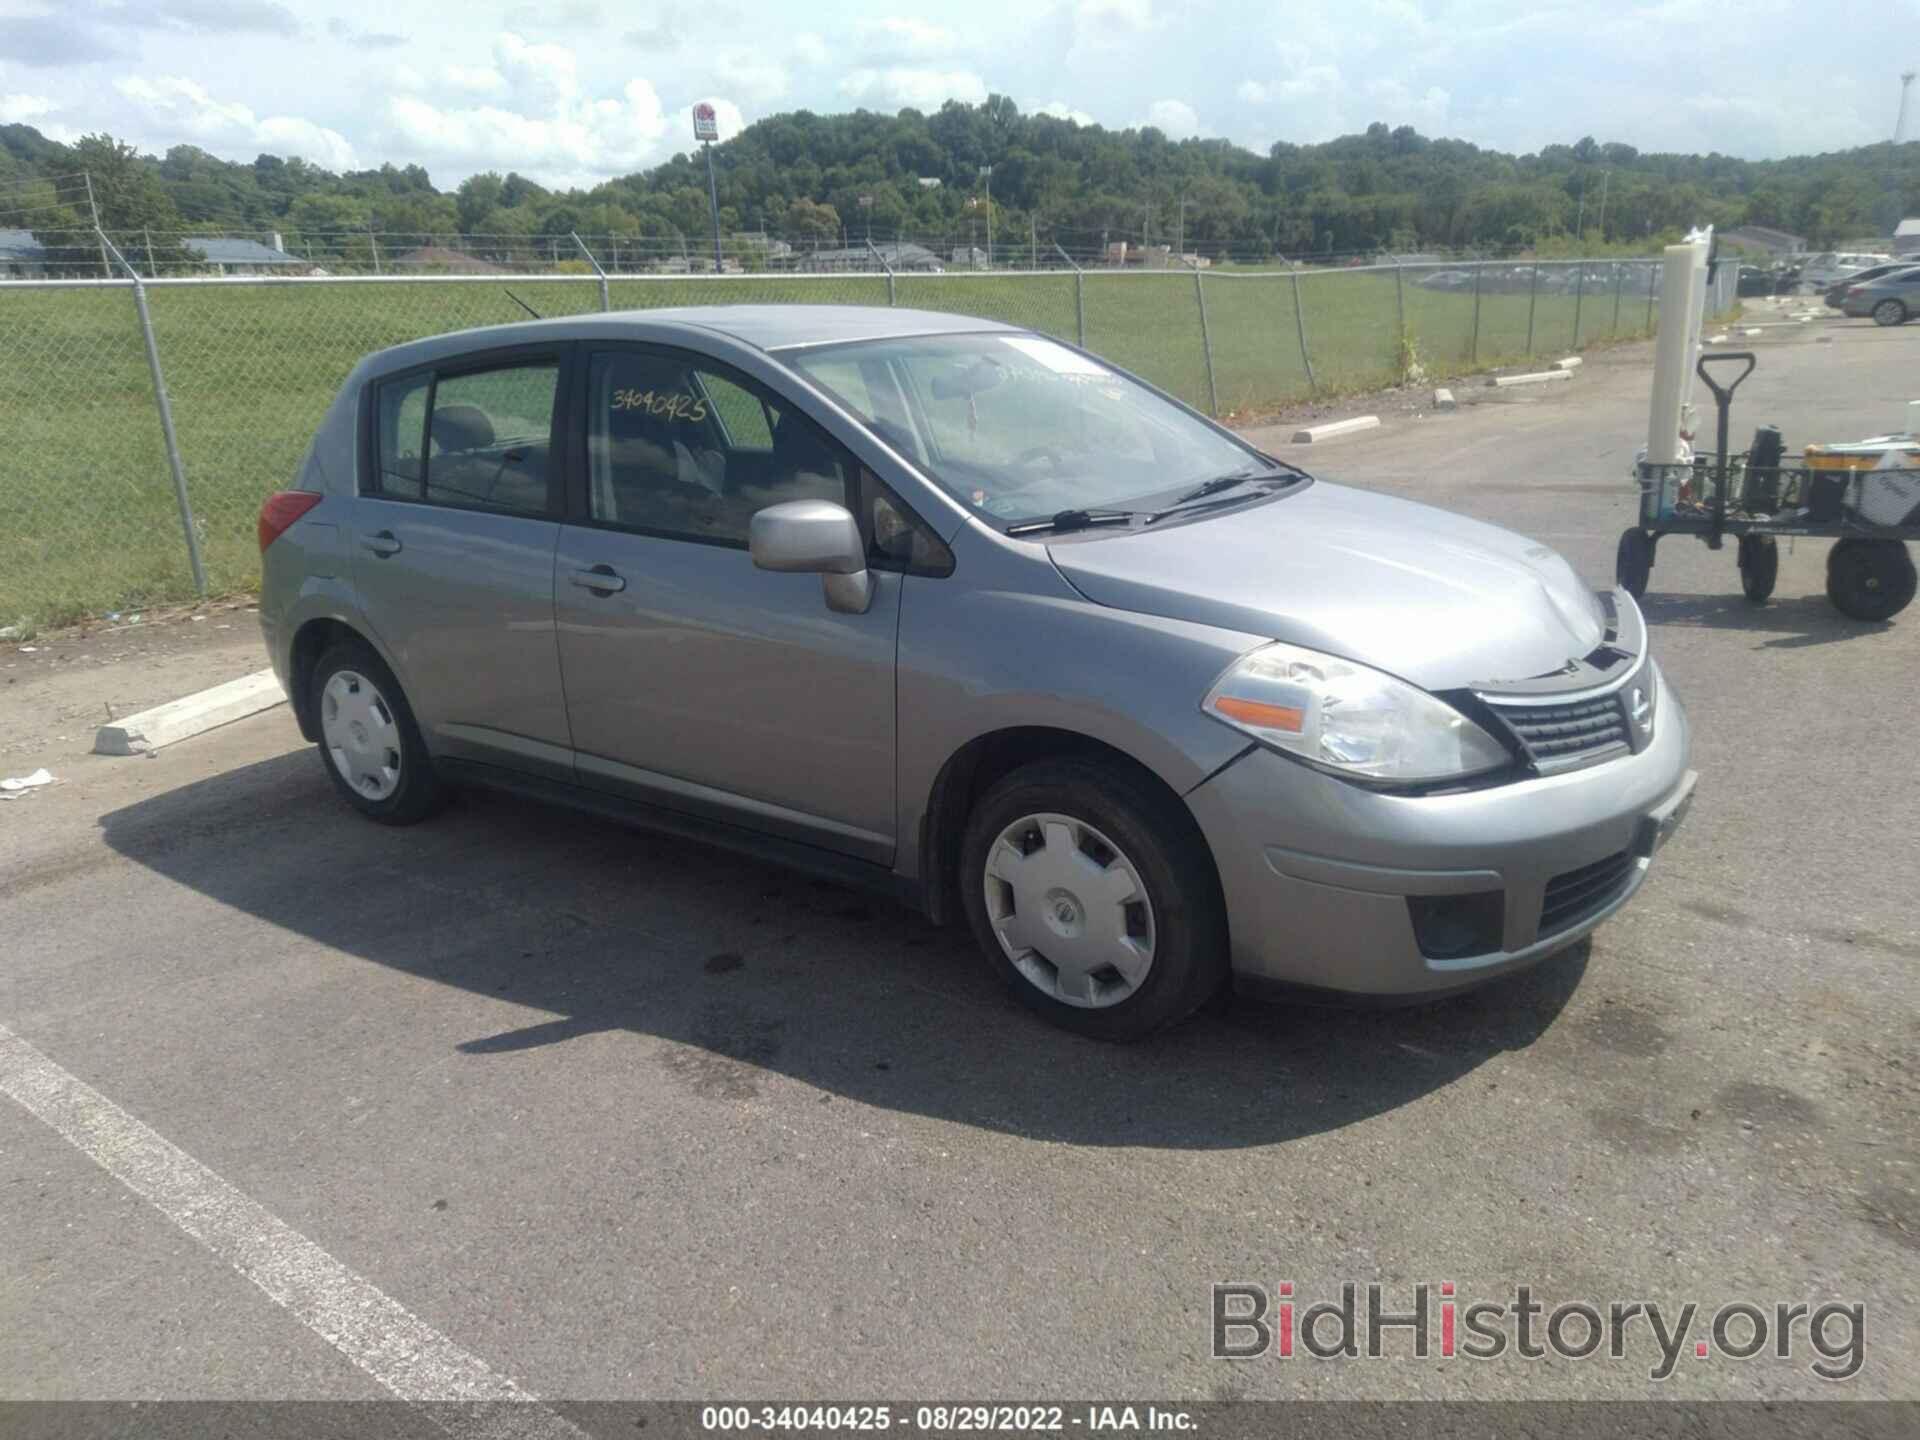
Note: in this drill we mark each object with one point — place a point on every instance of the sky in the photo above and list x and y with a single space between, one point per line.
571 92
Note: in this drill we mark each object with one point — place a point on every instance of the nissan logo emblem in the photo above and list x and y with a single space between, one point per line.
1641 709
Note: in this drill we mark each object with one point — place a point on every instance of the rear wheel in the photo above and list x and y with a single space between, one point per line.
1870 579
368 739
1633 562
1759 566
1091 893
1890 312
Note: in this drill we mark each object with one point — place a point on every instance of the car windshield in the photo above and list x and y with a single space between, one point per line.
1018 427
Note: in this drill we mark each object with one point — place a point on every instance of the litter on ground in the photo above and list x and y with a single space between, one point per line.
17 787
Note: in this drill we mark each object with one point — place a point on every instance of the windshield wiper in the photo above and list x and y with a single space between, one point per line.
1072 520
1220 483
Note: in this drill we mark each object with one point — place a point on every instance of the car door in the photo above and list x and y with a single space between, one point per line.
694 680
454 531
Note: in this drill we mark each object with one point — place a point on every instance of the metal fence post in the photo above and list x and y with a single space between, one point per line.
1579 296
1206 344
1400 301
884 266
1300 328
606 298
1533 299
1653 279
166 420
1473 354
1079 296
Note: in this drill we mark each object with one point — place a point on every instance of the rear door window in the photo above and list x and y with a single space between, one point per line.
476 439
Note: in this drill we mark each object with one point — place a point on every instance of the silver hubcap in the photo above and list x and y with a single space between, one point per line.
361 735
1069 910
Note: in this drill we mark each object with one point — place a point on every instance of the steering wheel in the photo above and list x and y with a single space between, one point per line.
1038 452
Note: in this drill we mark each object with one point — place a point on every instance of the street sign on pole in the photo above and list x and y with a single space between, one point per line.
706 129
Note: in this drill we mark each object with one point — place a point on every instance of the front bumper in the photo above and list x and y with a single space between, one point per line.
1318 873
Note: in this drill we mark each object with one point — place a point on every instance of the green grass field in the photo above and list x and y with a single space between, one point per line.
88 521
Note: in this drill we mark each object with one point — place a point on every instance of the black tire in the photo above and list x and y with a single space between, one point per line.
1759 566
1633 562
1166 850
1890 312
418 792
1870 579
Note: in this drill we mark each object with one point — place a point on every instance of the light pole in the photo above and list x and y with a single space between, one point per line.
1605 176
1180 240
986 172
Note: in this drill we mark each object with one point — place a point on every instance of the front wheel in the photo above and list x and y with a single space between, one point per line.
1890 312
368 739
1870 579
1759 566
1092 895
1633 562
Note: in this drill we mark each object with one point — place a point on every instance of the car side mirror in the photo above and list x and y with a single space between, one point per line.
815 537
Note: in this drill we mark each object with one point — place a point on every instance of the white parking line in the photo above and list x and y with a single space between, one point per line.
404 1353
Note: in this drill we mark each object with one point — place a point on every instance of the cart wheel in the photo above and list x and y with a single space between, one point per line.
1870 579
1759 566
1633 562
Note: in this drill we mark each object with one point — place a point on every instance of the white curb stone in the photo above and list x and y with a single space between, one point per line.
194 715
1334 428
1539 377
1443 399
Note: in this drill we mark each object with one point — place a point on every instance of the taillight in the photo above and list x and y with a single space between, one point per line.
282 510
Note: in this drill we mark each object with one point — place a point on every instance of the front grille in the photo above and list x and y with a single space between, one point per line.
1557 734
1571 897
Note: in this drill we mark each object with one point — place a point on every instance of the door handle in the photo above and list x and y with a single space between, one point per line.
602 579
383 544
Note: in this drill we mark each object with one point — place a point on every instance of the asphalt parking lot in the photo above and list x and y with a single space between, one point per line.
615 1116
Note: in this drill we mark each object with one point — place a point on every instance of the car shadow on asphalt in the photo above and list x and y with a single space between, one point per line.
1791 624
753 972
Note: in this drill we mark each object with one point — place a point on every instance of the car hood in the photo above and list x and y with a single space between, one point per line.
1430 596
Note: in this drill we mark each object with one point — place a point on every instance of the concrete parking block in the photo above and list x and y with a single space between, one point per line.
192 715
1538 377
1334 428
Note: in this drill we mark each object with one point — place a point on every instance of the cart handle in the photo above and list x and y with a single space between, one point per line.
1725 396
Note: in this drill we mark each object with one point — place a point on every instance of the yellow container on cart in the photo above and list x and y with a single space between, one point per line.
1833 469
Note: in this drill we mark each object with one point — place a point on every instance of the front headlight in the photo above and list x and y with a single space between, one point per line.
1350 719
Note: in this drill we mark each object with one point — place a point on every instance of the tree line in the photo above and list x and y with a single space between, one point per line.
823 179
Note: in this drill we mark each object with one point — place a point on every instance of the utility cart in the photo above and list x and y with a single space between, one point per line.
1865 497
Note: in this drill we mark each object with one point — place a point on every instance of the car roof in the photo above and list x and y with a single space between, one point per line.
765 327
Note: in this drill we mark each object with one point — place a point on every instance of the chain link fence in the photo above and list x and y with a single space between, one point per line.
90 521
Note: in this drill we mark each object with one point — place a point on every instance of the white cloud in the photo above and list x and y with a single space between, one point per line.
18 109
1174 117
185 106
474 79
1253 92
808 48
905 86
751 74
895 36
536 74
569 139
1060 110
288 135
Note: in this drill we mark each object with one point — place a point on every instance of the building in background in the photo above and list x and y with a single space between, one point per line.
21 256
1761 240
243 257
1906 238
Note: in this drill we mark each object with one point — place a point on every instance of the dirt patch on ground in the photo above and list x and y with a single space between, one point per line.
58 687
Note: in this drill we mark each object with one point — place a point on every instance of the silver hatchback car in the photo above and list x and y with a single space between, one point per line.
954 609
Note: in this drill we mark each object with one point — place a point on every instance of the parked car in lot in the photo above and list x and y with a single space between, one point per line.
1893 299
1826 270
1447 280
1837 292
956 610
